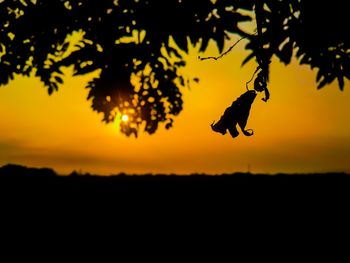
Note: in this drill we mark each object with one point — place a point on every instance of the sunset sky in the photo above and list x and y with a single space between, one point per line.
301 129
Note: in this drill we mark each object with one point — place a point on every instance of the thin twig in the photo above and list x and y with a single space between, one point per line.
247 83
225 53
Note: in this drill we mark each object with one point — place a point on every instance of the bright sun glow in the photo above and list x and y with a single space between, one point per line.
125 118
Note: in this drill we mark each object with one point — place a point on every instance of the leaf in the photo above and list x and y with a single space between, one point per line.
248 58
78 70
220 42
59 79
194 38
341 82
346 70
168 126
173 51
304 60
231 19
54 86
326 80
50 90
286 52
181 42
300 52
204 44
319 75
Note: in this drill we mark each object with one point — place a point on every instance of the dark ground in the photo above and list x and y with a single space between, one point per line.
252 209
33 181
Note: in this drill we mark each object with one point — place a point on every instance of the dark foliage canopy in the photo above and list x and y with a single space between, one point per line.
128 41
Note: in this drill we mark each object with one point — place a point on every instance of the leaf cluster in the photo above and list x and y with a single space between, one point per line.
131 44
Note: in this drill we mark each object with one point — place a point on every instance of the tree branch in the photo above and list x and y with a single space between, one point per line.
247 83
225 53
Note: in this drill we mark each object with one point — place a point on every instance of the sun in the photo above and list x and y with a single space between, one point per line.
125 118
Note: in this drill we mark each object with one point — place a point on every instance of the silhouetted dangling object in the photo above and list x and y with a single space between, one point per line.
260 85
237 113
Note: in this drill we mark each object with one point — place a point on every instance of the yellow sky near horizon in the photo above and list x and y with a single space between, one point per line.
301 129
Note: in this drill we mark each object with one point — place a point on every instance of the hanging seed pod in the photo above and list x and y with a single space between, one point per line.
237 113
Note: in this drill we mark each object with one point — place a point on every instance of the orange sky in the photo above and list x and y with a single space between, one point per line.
301 129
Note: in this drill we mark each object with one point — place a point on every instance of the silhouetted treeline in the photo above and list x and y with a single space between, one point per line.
76 193
18 173
159 198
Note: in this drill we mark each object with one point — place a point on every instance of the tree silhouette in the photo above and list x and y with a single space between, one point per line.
129 42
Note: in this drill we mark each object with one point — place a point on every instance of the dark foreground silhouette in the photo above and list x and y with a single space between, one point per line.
34 181
236 114
172 205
